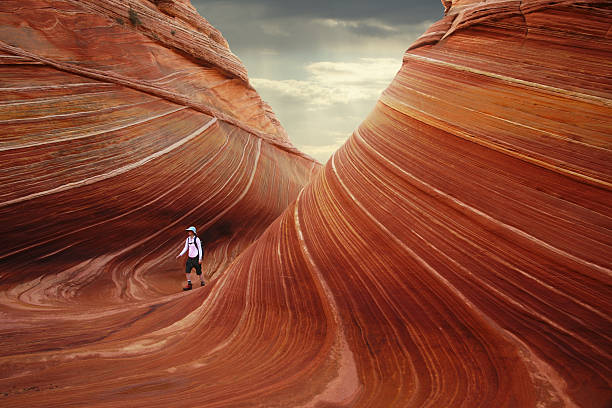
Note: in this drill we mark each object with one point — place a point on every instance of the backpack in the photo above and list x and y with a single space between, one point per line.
195 242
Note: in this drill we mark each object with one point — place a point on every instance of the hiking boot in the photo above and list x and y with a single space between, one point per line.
188 287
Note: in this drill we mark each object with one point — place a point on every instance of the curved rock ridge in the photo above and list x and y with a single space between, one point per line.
459 242
113 142
455 252
91 38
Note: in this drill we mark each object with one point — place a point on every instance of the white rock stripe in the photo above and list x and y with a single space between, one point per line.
63 86
203 203
112 173
160 92
429 188
69 115
495 117
456 203
247 307
58 98
345 386
571 94
179 184
437 224
445 282
86 135
122 215
429 119
244 192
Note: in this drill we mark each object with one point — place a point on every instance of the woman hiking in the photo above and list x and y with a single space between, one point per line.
194 257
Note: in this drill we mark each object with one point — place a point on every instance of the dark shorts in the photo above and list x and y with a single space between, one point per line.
193 263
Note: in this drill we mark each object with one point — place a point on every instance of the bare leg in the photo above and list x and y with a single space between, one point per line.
201 275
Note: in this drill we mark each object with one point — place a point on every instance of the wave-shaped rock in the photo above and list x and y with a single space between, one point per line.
453 253
114 137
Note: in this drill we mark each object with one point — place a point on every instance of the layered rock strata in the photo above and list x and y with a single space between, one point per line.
455 252
114 137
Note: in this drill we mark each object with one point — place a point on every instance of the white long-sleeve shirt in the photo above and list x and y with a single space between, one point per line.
191 245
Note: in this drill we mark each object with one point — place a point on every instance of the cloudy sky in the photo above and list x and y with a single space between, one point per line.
321 65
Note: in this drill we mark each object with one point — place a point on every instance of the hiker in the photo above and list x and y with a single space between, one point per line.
194 256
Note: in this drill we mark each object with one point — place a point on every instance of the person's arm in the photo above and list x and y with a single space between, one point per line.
184 249
199 243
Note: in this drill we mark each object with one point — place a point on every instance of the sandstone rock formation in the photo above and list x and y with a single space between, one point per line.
455 252
115 136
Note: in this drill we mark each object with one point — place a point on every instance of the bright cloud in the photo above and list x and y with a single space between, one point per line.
365 25
330 83
322 152
274 30
306 58
379 71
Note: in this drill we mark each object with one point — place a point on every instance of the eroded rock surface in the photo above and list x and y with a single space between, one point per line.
455 252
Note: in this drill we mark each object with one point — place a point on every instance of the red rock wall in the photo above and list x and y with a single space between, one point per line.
453 253
114 140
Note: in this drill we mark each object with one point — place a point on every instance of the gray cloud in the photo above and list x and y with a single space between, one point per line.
368 27
252 32
391 11
320 65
